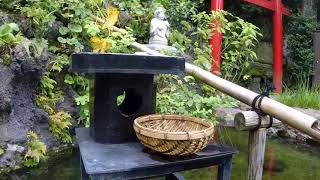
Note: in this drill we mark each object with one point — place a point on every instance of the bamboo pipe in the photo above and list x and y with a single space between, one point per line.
294 118
288 115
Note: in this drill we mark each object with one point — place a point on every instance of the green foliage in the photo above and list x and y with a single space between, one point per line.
177 96
59 62
191 31
47 83
79 27
36 150
8 34
239 38
195 29
59 126
300 46
81 85
137 16
49 96
302 96
45 12
41 13
190 34
83 101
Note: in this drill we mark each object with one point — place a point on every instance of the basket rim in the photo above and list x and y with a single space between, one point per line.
158 134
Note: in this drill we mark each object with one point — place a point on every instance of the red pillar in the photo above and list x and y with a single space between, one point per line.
216 41
277 47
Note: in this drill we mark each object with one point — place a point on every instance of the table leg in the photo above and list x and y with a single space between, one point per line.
84 175
174 176
224 170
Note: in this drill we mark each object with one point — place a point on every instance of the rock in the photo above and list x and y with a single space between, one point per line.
68 104
53 31
40 116
15 148
312 142
24 23
10 159
18 110
3 18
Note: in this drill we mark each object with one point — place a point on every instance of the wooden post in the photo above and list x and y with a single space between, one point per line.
248 120
257 144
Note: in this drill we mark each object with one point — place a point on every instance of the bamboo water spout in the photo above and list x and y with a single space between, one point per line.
294 118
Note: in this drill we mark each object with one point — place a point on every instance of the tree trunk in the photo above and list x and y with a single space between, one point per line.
309 8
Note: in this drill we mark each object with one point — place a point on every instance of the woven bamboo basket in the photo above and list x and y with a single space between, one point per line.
173 134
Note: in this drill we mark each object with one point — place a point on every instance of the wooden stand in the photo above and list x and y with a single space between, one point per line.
133 161
257 144
248 121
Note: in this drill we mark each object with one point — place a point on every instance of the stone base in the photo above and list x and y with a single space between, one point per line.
161 47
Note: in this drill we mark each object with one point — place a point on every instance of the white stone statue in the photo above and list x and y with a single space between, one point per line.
159 33
160 28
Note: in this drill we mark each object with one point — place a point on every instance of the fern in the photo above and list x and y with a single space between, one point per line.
47 83
36 150
59 126
47 99
59 62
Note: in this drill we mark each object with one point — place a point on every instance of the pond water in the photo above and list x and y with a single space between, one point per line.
283 162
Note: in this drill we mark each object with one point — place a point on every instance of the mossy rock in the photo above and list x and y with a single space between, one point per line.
2 151
260 70
5 55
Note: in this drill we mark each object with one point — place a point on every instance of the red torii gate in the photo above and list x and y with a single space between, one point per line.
278 8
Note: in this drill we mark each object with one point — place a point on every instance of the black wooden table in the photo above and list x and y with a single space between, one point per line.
133 161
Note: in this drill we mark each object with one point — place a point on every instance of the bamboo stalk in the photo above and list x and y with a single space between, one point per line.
294 118
288 115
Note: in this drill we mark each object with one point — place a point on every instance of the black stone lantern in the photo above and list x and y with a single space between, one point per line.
122 74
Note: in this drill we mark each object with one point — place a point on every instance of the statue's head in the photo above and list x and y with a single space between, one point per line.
160 13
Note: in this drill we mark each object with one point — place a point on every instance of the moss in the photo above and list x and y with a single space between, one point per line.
6 60
261 70
2 151
5 57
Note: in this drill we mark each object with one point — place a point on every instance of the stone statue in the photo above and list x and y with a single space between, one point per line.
160 28
159 33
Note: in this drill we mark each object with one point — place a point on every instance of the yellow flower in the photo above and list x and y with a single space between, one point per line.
99 45
112 17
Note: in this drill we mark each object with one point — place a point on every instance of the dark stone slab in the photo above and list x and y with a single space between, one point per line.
133 161
126 63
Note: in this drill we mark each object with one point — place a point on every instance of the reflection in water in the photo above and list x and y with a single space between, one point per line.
270 165
282 162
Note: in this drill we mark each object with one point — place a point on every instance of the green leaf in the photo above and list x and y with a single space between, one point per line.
75 27
63 30
62 40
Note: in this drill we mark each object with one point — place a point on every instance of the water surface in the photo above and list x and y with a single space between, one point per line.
283 162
